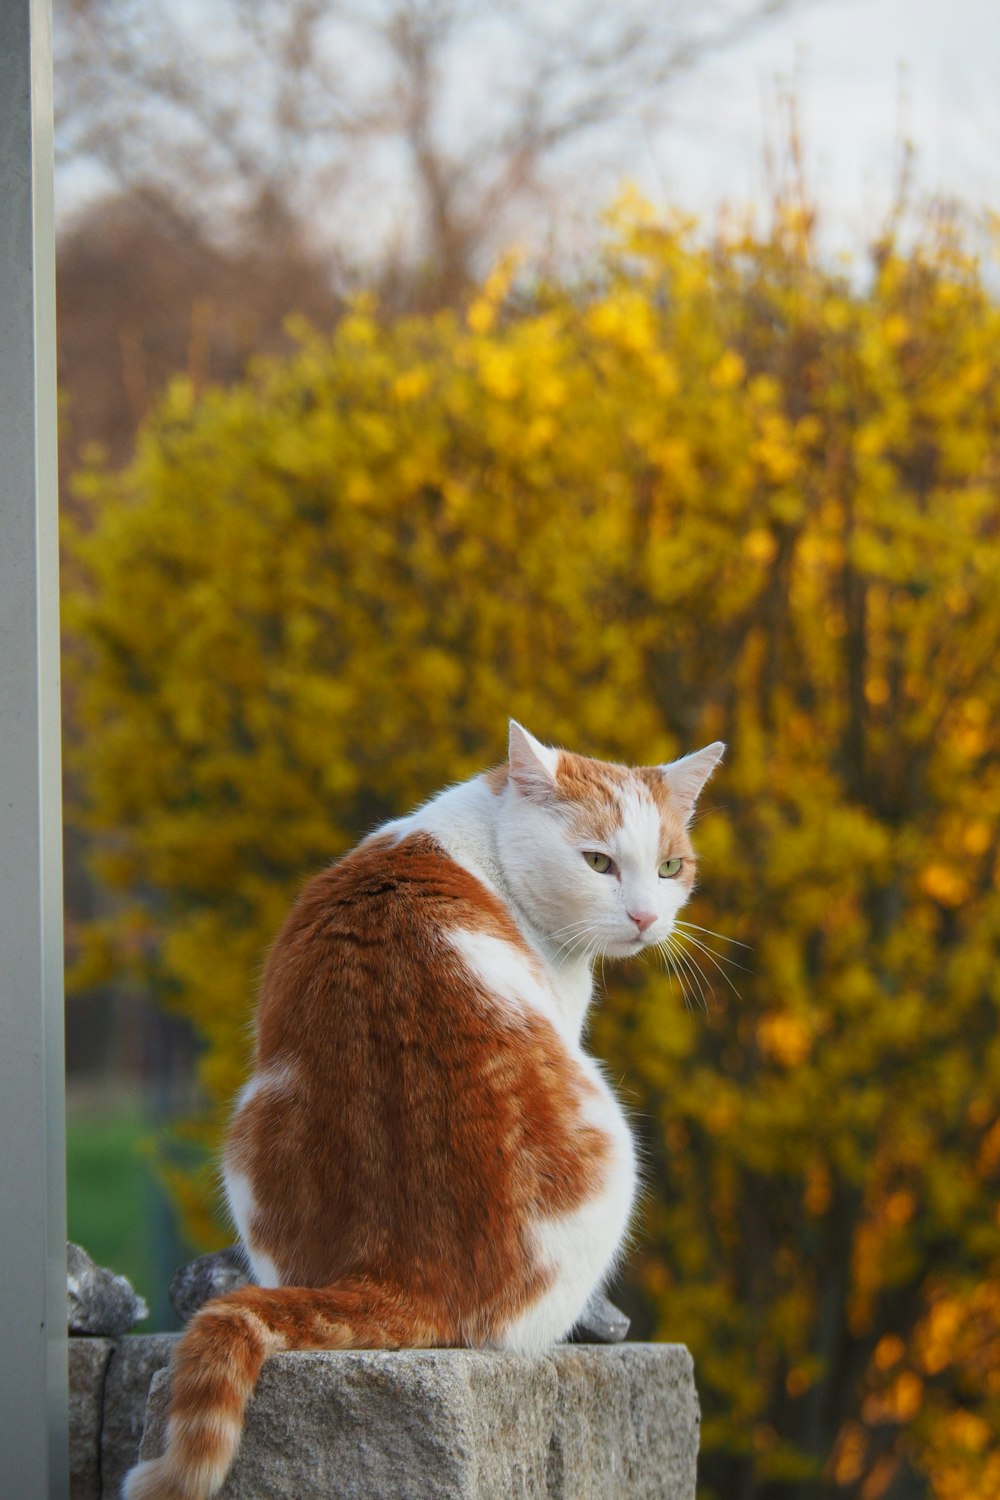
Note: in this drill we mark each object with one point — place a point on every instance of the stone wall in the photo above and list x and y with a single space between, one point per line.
581 1422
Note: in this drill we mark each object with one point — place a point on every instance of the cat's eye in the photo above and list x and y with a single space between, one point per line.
670 867
602 863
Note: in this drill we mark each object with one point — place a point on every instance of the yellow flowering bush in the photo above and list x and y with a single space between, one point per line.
721 491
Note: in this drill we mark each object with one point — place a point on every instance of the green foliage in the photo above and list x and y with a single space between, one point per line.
723 492
113 1198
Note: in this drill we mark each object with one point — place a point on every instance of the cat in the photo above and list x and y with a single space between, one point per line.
425 1155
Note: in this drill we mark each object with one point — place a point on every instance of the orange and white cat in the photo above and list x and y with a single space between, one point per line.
425 1154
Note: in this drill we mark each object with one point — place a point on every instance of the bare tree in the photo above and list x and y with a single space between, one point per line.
408 136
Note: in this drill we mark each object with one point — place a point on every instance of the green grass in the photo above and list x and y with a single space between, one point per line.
116 1207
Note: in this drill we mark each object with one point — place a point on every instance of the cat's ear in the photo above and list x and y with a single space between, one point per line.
687 776
533 765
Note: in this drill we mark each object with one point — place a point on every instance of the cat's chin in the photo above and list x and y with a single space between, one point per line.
629 947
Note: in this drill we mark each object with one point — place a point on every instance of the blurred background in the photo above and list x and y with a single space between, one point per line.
634 370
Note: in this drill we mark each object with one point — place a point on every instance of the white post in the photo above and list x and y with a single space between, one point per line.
33 1399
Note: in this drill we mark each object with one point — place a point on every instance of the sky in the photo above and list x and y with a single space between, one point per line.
867 74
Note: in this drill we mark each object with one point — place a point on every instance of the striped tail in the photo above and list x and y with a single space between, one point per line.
220 1357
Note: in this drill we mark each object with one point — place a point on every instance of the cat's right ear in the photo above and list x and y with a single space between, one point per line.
533 766
687 776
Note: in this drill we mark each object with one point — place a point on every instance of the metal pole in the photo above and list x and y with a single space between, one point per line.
33 1398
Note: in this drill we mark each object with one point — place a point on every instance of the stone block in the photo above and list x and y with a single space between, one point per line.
88 1363
578 1423
133 1363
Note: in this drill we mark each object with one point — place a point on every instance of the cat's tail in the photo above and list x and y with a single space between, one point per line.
219 1359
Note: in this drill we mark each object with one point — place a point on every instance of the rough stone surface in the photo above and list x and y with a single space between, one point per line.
579 1423
133 1363
98 1301
209 1276
88 1363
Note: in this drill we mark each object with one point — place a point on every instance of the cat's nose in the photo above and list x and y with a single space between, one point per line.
643 919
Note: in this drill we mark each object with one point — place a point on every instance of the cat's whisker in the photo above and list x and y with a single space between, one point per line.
673 970
691 959
571 933
577 926
714 959
567 944
678 922
713 953
691 997
717 959
686 959
571 948
571 927
584 947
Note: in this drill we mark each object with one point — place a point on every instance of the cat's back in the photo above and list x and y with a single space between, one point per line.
381 933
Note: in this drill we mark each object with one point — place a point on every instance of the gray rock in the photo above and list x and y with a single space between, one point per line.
601 1323
88 1363
98 1301
134 1361
208 1276
577 1423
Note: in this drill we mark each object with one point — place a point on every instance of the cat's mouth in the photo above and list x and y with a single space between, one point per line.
629 945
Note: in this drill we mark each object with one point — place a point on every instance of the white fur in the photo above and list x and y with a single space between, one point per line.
239 1193
242 1207
506 974
276 1080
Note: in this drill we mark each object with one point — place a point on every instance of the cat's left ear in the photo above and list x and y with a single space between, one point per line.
687 776
533 766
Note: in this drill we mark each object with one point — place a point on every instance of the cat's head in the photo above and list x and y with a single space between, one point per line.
598 855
